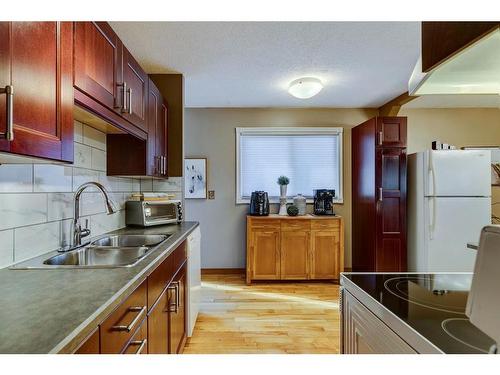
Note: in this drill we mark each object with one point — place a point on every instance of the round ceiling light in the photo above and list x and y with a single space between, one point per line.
305 88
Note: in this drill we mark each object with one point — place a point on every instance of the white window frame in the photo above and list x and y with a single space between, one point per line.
290 131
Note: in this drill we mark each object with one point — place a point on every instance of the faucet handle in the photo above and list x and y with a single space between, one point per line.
85 232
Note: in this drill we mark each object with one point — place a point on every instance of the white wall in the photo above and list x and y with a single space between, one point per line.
36 200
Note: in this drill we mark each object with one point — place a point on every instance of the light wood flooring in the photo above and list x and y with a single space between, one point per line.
265 318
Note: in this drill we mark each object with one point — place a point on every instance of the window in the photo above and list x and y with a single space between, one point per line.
310 157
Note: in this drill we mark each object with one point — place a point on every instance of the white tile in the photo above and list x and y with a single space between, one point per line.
59 206
94 138
103 223
78 131
22 209
109 182
91 204
83 156
172 184
146 185
119 199
129 185
36 240
52 178
98 160
16 178
6 248
81 176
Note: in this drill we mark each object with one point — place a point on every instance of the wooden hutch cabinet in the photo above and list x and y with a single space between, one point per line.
294 248
379 195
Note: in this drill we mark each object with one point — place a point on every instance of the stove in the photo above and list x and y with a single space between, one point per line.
433 305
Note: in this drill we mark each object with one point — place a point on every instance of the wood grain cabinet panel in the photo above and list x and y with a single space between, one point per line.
325 255
294 256
138 344
97 59
90 345
137 91
36 59
300 248
177 311
114 331
391 131
158 325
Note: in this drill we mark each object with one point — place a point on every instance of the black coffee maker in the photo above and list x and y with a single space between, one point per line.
323 201
259 204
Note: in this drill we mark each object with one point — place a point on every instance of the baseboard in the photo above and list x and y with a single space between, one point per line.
222 271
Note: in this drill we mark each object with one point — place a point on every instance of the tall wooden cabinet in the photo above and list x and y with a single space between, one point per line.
379 195
36 73
294 248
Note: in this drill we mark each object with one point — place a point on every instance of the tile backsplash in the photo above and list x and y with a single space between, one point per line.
36 200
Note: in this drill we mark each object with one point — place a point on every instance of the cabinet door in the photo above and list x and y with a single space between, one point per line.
177 303
36 59
157 132
158 326
294 257
161 138
390 181
364 333
265 254
136 81
97 60
391 131
325 254
90 345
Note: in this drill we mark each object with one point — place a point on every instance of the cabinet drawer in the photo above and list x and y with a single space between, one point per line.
179 256
325 224
121 324
139 342
292 225
159 279
265 223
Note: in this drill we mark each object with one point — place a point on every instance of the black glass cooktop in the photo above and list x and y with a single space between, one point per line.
432 304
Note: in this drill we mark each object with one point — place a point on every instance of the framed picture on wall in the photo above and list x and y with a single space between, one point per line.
195 178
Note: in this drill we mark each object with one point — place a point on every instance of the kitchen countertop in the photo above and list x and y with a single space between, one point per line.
53 310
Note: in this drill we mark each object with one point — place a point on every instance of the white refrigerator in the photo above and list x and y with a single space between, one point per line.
449 202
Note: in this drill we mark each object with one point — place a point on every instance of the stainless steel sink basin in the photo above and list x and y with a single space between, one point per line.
93 256
129 240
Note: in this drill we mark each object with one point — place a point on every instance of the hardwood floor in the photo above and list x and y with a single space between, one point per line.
265 318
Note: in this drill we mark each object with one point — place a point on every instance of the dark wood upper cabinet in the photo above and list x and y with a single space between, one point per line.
391 131
379 195
98 63
36 61
136 81
442 40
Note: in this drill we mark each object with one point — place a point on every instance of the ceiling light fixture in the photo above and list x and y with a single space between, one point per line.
305 88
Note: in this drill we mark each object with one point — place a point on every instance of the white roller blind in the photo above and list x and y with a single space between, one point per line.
310 157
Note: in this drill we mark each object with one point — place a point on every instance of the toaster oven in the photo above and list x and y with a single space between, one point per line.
149 213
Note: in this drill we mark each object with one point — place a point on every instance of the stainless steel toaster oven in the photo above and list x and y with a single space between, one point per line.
149 213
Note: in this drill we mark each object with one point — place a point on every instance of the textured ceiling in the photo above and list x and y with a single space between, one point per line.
250 64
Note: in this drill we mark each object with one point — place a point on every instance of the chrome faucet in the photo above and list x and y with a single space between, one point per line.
77 232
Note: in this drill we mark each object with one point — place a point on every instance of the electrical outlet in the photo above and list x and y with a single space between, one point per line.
211 194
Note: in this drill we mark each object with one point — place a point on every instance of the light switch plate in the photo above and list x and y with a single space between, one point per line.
211 194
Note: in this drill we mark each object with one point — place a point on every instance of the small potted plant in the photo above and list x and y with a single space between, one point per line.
283 182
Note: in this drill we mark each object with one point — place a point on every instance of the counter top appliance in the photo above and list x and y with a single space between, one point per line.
323 201
259 203
426 311
149 213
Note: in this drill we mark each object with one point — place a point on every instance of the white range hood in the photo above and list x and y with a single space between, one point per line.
474 70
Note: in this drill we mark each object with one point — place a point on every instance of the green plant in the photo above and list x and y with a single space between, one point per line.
292 210
283 180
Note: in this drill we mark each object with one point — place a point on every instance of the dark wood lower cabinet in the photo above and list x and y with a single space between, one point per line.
152 319
177 303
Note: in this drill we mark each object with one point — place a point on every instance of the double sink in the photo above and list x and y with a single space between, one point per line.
106 252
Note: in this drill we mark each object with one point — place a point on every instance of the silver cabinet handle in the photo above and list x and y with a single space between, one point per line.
131 326
123 106
130 101
9 111
164 160
174 285
380 138
140 343
380 194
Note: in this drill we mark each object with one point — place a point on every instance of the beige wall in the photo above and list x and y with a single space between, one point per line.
210 133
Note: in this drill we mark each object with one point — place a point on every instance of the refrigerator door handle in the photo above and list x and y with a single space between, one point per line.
432 174
432 214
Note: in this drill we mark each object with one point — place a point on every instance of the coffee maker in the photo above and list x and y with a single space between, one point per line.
259 204
323 201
